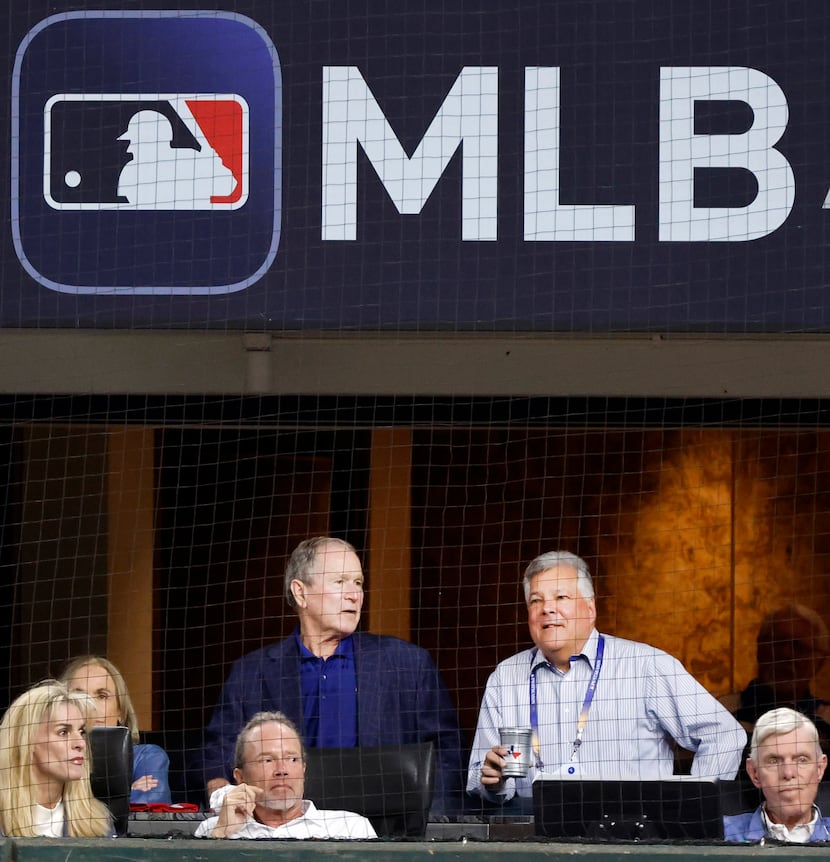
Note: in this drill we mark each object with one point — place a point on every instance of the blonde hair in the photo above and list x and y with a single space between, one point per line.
125 705
86 816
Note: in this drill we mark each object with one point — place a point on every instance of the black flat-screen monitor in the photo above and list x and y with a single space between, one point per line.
679 810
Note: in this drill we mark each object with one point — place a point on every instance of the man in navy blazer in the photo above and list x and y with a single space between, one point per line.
342 687
786 763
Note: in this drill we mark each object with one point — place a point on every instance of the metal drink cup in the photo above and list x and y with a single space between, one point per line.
517 741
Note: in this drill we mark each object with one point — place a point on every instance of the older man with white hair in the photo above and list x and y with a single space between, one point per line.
786 763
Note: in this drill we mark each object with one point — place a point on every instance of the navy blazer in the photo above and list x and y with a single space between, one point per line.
400 699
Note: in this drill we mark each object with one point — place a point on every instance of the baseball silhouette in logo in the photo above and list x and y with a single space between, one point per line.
130 152
161 176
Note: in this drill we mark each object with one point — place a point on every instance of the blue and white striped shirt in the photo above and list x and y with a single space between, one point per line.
644 699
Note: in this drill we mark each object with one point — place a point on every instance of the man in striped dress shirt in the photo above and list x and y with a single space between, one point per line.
598 706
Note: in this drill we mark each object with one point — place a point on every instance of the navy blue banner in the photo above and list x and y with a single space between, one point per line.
570 166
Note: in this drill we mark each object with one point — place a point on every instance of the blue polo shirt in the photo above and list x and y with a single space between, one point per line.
329 688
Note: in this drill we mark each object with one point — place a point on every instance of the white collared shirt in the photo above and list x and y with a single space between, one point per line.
312 823
800 834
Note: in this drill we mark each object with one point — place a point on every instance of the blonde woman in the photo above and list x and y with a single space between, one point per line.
44 767
102 681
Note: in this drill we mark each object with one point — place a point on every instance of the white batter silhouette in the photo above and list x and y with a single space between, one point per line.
161 176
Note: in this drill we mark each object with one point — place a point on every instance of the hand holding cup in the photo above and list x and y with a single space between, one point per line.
517 743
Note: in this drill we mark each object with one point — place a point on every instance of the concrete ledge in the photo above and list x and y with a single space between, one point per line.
195 850
209 363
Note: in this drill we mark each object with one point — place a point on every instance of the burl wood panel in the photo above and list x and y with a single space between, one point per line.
693 535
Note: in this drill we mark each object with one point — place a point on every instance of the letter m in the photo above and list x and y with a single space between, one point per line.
352 116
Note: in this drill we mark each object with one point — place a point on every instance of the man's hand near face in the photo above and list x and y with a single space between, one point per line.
237 809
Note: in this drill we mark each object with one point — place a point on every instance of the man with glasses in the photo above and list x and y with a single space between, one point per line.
267 800
786 763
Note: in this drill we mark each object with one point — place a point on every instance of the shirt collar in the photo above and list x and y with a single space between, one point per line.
588 653
800 834
345 649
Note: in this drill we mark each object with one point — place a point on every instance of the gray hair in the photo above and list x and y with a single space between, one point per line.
555 559
777 722
302 560
256 721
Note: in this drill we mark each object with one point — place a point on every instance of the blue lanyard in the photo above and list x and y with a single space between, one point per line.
583 715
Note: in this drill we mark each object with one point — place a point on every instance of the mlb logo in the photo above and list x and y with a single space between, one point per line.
187 152
146 153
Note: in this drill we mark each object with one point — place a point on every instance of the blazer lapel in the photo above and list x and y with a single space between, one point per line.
281 679
368 659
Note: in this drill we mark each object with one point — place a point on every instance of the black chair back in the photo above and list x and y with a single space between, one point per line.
391 785
739 796
111 754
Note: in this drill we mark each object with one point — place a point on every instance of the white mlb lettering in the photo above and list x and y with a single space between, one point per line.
468 119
